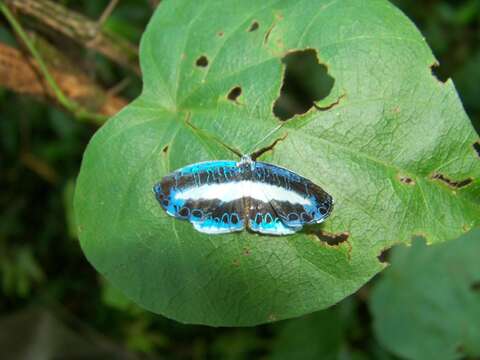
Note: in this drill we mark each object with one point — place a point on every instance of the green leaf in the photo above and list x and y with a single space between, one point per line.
376 151
431 294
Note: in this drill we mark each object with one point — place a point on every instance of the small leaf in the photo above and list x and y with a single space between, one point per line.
432 294
387 119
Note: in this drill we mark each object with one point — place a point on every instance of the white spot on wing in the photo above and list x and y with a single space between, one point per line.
215 229
236 190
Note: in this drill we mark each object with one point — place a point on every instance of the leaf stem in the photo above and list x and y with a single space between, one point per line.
78 111
106 13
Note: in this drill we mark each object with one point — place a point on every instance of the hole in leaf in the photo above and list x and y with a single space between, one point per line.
330 238
475 286
476 147
220 33
165 149
438 72
234 93
451 183
202 61
407 180
305 81
255 25
384 256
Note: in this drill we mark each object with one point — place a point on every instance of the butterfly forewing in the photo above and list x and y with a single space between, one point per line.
199 193
296 200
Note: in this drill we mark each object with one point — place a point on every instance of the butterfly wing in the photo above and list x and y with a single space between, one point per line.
212 196
263 218
293 199
202 194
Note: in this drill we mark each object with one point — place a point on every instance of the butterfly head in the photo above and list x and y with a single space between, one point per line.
246 162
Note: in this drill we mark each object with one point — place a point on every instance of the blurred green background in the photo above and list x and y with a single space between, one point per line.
53 304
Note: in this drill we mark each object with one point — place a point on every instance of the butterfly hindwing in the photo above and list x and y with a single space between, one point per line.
296 200
263 218
219 219
199 193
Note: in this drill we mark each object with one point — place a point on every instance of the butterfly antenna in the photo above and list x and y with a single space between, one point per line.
233 150
265 137
210 136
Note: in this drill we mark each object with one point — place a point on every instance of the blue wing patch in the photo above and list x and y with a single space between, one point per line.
220 197
269 223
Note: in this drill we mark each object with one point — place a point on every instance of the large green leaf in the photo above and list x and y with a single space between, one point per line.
376 152
427 306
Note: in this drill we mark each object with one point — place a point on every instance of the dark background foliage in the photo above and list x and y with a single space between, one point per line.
52 300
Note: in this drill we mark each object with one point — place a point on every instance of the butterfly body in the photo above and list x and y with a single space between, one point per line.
226 196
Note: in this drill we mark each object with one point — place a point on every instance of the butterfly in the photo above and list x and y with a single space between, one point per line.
224 196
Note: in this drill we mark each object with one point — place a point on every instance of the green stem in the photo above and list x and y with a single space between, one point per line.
80 112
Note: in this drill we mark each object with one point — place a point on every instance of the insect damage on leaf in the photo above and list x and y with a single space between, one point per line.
406 180
451 183
255 25
278 17
267 35
438 73
265 149
329 106
384 255
330 238
476 147
305 81
202 61
234 93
